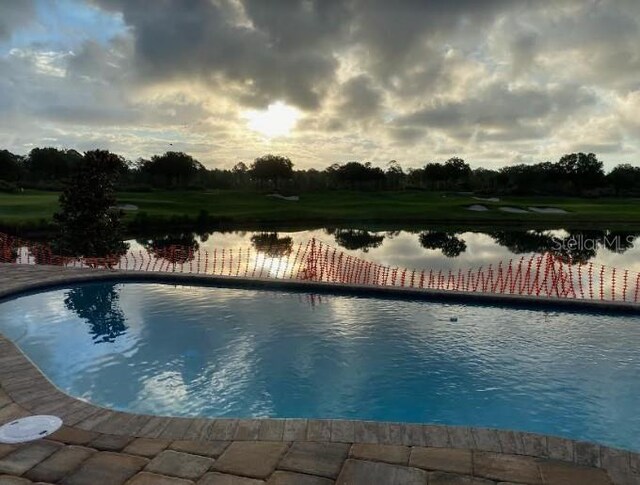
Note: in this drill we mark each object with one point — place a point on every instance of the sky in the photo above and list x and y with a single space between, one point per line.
495 82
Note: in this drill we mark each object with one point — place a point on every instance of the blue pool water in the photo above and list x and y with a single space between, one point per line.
188 351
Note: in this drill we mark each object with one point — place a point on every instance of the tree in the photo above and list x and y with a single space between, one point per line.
240 167
522 242
172 169
89 222
271 169
48 164
625 178
99 306
584 171
356 175
395 176
448 242
356 239
270 244
10 166
456 169
179 248
453 174
484 180
433 175
240 173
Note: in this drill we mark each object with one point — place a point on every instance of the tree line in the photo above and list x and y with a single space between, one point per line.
579 174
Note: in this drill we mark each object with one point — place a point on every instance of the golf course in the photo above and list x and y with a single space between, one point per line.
33 209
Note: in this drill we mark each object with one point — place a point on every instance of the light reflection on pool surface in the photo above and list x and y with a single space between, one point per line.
188 351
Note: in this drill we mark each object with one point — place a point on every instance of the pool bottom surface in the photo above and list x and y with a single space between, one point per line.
219 352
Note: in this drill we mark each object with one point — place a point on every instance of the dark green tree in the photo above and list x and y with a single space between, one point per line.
177 248
395 176
456 169
10 166
354 239
272 245
484 181
453 174
447 242
522 242
99 306
240 173
584 171
625 178
172 169
356 176
89 222
271 169
52 164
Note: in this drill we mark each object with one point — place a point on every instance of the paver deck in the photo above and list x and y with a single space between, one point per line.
100 446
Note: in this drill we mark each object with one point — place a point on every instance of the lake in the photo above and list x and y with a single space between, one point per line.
438 249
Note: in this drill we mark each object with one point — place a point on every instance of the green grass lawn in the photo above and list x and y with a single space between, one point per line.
35 208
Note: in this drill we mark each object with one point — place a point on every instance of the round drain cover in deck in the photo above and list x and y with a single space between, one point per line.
29 429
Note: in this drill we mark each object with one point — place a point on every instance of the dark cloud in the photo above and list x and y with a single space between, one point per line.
604 147
89 115
14 14
597 40
405 34
281 51
288 49
498 106
406 134
95 62
524 49
361 99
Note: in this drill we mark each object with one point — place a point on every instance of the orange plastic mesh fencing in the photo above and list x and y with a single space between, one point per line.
539 275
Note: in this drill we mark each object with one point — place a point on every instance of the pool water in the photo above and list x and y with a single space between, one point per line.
221 352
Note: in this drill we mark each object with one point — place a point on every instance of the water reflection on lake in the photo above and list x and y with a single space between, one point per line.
437 249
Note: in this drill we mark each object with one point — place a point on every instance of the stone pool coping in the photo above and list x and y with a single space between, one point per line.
30 392
64 276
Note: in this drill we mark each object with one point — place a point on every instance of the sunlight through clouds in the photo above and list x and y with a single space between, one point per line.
277 120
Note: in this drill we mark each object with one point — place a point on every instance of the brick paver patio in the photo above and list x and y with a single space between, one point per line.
99 446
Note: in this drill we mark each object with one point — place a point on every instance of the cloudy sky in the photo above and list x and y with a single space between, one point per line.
323 81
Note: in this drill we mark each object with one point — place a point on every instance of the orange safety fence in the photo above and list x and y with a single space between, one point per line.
538 275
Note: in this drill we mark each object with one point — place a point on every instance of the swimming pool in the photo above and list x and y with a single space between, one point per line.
223 352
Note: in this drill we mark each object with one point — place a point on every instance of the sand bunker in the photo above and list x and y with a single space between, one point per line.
547 210
488 199
128 207
514 210
478 208
284 197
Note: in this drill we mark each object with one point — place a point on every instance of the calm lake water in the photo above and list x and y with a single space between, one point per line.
430 249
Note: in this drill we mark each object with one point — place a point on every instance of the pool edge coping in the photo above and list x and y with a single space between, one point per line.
399 292
30 389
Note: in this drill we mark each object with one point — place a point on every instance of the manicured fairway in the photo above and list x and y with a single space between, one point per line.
35 208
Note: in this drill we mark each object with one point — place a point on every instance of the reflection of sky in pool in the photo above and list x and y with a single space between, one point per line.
227 352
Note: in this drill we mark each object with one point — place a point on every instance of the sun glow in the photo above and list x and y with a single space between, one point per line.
277 120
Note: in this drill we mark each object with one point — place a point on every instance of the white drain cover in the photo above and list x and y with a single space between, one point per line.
29 429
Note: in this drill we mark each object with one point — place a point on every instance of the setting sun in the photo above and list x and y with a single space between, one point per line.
277 120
